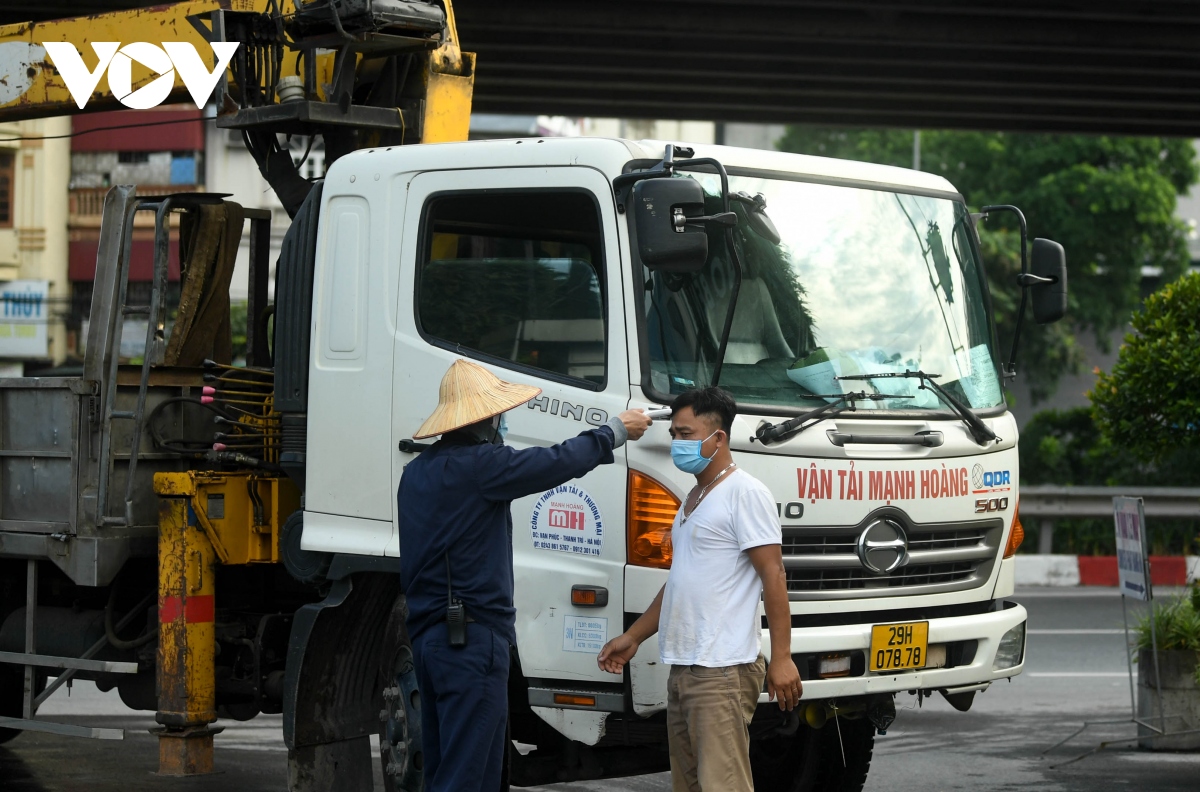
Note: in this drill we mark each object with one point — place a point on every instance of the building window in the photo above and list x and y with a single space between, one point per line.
6 189
183 167
308 156
133 157
516 277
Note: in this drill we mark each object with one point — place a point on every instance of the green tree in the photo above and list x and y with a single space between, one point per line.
1149 404
1068 448
1110 201
237 330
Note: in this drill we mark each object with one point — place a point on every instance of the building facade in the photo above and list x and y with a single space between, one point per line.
161 151
34 291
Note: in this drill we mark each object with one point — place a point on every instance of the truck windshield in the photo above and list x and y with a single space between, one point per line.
861 281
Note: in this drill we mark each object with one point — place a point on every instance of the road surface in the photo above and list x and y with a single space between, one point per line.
1075 672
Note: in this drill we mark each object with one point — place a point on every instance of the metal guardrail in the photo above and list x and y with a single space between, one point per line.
1046 503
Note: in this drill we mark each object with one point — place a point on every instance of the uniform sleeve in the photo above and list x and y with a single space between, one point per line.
505 474
756 521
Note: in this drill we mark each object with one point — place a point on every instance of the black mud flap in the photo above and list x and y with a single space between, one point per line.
332 690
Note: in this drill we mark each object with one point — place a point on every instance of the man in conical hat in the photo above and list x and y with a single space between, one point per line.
456 528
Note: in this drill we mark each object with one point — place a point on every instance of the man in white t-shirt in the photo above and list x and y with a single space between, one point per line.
727 556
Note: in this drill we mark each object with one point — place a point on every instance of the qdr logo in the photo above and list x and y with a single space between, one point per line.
165 60
988 479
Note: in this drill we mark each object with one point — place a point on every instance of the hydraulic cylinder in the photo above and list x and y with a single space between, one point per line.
187 641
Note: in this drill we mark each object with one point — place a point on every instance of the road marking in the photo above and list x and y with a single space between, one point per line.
1075 674
264 733
1160 756
1066 592
1071 592
1075 632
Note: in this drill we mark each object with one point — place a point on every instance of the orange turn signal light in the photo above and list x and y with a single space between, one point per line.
577 701
593 596
652 509
1016 535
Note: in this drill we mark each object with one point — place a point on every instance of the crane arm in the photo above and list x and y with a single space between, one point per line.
370 73
32 85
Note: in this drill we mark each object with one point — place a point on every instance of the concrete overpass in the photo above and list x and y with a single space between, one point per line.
1102 66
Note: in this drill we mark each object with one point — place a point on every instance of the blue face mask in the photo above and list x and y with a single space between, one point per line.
502 429
687 456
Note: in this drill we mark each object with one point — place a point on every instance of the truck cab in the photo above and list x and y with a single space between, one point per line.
845 308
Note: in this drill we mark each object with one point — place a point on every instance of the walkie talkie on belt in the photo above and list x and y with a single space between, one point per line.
456 614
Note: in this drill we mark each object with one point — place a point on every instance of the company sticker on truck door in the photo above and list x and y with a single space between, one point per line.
567 519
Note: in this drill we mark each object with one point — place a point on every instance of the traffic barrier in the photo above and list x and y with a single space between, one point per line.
1068 570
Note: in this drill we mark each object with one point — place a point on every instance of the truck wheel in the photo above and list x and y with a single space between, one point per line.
12 697
786 763
400 735
306 566
811 759
858 739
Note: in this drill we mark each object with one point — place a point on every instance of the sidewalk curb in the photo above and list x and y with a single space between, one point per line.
1069 570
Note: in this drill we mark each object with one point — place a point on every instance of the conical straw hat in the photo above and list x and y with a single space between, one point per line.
469 393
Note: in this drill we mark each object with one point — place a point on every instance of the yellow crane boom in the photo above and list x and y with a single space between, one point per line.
359 74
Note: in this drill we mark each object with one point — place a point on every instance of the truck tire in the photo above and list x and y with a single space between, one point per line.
858 739
12 694
400 748
306 566
811 759
786 763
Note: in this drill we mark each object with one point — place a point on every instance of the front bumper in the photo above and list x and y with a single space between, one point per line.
986 629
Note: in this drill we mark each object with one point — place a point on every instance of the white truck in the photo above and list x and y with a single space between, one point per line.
571 265
842 304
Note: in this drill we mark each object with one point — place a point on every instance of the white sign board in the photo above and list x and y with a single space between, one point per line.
24 317
1132 569
585 634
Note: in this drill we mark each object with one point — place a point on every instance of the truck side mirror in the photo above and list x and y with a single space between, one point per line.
1048 265
661 209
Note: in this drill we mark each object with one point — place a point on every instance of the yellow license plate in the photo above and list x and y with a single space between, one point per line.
895 647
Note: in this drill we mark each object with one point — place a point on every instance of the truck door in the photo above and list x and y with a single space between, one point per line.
520 270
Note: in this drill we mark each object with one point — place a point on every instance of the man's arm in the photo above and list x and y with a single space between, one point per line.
617 652
783 678
509 474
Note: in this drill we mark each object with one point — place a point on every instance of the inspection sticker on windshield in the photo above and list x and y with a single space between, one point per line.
567 519
584 634
979 381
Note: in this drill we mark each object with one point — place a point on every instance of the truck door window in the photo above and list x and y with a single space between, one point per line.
514 277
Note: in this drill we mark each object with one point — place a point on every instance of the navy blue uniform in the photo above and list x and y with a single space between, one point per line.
454 498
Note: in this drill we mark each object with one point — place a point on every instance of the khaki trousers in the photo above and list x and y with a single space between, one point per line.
708 725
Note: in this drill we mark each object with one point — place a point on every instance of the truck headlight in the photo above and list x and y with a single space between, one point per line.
1012 649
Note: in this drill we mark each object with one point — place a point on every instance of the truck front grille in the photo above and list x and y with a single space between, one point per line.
822 563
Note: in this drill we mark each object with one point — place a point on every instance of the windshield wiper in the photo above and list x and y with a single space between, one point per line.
980 432
770 433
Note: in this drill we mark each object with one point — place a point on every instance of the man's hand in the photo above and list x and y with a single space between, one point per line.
636 423
783 682
617 652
